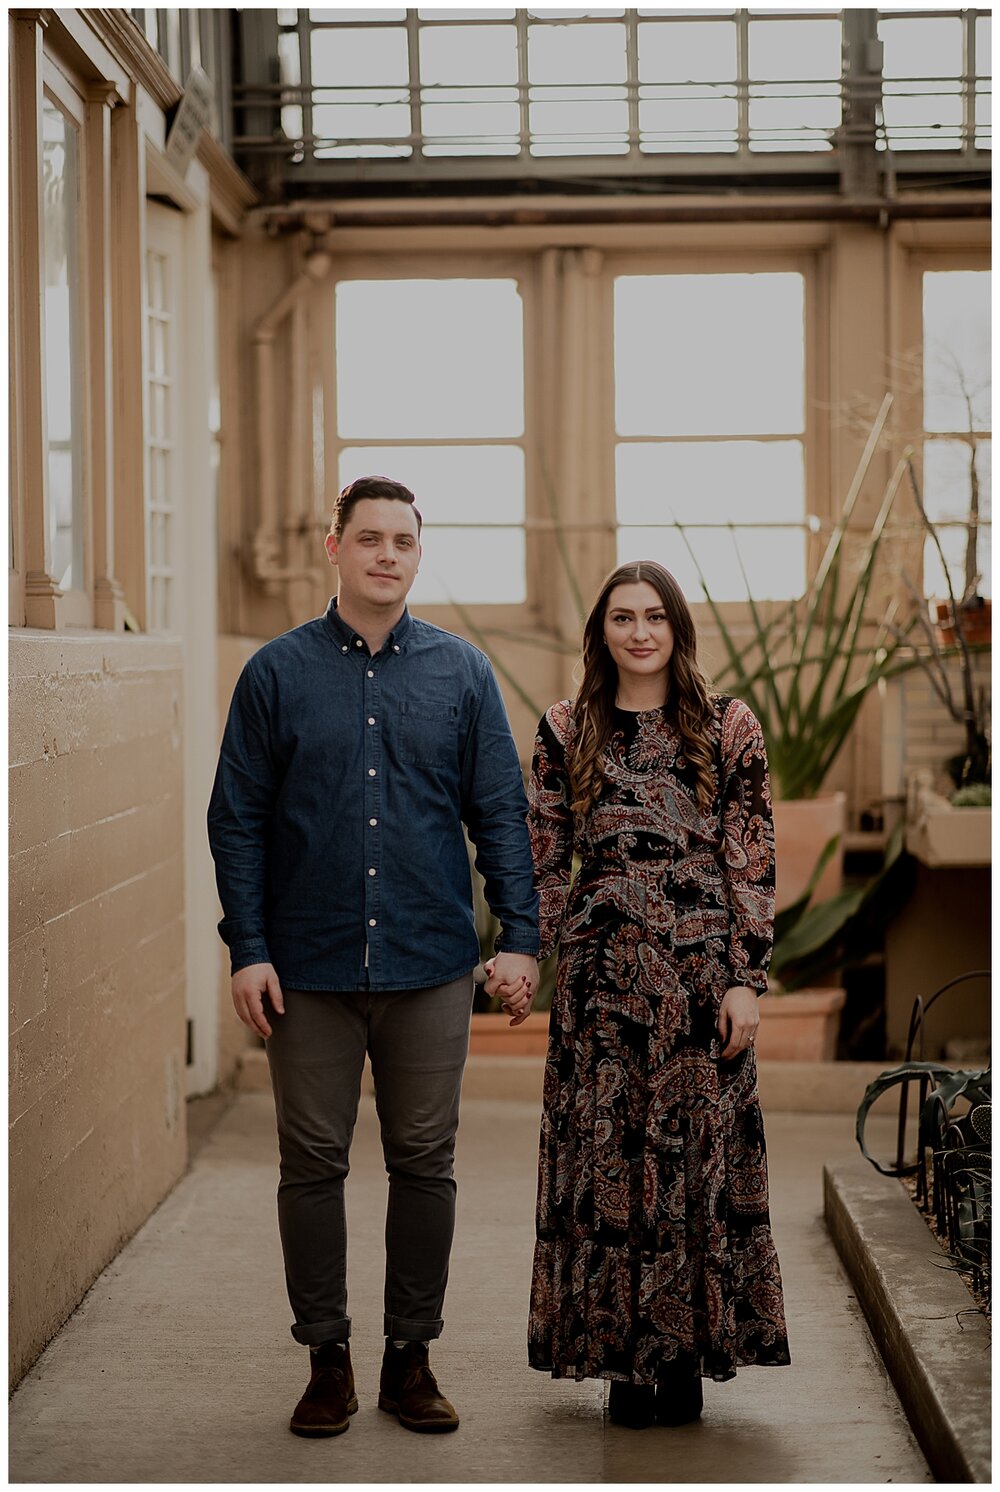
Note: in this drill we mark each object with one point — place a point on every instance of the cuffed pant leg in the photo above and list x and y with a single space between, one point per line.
316 1055
419 1041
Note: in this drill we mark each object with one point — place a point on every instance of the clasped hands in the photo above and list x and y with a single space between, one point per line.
513 979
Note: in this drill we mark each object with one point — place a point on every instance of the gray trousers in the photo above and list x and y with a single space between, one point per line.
417 1041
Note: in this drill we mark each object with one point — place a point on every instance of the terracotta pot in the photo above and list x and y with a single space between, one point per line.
977 623
801 1027
802 826
494 1036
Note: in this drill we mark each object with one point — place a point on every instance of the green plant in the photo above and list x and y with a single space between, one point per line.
807 671
958 1144
813 942
971 766
976 795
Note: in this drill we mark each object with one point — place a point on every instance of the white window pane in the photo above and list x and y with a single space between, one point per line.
469 117
345 58
579 127
452 484
947 497
953 544
345 15
786 50
576 54
466 15
468 55
714 354
472 566
692 52
957 380
717 482
429 358
984 120
774 559
801 123
918 121
984 39
688 124
948 480
922 47
362 152
354 118
289 62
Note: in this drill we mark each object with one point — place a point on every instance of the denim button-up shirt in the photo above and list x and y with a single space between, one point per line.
336 817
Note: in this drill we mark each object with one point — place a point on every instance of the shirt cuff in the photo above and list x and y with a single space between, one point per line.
250 951
516 943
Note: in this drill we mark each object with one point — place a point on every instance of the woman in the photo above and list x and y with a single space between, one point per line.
654 1263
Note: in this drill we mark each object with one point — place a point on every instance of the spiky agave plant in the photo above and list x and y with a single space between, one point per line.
807 671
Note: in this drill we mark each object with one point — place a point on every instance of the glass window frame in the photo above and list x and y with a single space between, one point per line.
522 268
932 261
817 516
75 605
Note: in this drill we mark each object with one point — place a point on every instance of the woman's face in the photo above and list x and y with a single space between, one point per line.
636 630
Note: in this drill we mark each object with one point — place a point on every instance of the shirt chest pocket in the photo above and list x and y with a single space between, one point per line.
428 735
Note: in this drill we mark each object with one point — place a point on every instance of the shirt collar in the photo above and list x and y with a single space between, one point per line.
345 636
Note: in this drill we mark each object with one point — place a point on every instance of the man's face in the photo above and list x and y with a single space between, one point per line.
377 554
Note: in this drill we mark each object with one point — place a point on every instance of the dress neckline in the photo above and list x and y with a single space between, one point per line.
637 714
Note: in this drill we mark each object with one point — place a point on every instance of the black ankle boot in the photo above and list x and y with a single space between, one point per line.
678 1392
632 1405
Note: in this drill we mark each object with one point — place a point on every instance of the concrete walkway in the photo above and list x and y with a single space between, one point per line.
178 1366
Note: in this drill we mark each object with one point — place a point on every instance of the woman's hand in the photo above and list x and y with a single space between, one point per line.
739 1017
517 990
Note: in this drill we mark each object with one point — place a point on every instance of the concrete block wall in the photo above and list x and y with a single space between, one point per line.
96 989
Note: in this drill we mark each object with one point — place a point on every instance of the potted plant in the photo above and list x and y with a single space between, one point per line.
806 673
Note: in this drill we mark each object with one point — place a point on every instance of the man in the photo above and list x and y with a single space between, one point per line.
356 747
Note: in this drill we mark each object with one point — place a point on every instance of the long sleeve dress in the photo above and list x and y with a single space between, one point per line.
653 1232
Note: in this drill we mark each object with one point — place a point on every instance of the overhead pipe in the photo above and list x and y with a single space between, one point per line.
269 542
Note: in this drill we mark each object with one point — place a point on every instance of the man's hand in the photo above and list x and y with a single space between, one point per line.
739 1017
513 978
250 985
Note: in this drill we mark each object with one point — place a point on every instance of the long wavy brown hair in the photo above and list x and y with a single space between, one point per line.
688 695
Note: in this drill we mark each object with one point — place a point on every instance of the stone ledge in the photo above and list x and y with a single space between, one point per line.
788 1087
939 1367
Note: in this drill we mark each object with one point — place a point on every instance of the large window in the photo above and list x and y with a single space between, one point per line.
957 431
430 391
936 76
710 422
417 86
62 237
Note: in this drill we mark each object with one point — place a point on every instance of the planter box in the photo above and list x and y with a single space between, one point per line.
494 1036
977 623
939 834
801 1027
802 826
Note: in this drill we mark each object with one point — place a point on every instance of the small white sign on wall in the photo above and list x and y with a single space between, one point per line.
194 112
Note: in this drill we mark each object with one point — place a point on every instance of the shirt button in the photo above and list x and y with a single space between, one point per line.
373 822
395 647
371 771
371 921
344 648
372 871
370 674
371 719
358 643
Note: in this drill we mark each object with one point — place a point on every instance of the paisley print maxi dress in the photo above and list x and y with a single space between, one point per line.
653 1233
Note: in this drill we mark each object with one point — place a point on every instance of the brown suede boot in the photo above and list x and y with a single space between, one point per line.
408 1389
329 1401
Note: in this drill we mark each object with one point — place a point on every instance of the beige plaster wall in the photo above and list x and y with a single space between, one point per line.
97 1013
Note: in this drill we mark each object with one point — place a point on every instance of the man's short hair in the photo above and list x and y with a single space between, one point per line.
363 487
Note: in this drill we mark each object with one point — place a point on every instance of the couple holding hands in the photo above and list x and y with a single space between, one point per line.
356 749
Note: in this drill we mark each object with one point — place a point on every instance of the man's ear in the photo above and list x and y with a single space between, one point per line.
330 545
